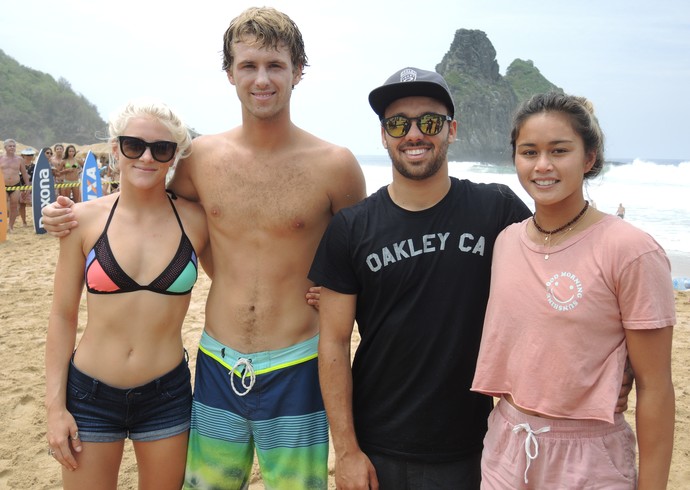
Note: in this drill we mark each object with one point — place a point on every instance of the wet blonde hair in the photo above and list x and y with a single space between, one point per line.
270 28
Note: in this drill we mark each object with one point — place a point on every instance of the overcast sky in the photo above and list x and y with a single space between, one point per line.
630 57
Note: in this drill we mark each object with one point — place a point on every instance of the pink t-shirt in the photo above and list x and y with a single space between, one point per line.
554 334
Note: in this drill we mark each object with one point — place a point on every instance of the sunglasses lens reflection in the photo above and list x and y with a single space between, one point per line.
397 126
429 124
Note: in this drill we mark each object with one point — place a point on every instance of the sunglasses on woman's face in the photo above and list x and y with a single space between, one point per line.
430 124
133 148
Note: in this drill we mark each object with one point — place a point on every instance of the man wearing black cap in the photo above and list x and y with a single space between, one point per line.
411 264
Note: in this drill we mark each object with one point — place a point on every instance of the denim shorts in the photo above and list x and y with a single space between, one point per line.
157 410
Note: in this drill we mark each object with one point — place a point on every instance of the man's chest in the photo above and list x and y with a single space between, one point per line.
282 198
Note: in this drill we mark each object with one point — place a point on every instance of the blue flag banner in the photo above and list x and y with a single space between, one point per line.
91 187
42 190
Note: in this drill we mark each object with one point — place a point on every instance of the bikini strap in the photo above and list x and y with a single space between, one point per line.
110 216
179 221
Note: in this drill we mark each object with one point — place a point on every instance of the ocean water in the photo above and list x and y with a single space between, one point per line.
655 193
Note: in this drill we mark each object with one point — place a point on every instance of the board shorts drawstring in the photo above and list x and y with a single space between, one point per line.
530 440
247 373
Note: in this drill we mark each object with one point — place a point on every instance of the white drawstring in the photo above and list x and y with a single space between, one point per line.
530 439
247 364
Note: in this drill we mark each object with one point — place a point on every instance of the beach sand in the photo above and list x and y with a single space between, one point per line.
27 263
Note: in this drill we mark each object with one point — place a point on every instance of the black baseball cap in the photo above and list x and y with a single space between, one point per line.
411 82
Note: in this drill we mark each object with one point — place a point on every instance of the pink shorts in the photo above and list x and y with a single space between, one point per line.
527 452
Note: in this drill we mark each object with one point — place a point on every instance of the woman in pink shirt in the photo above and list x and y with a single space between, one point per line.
574 292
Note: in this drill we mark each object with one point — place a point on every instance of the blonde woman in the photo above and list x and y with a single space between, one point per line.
136 251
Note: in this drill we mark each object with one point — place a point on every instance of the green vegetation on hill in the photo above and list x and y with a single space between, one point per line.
485 100
527 80
39 111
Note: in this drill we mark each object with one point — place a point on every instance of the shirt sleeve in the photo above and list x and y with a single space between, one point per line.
333 266
645 292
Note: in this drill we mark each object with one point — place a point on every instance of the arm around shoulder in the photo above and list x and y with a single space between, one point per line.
347 180
195 225
58 218
182 183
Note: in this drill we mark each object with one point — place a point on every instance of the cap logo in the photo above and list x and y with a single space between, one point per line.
408 75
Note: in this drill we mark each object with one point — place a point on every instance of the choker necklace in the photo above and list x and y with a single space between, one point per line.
568 225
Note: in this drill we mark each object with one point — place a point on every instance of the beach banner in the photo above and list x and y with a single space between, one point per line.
91 187
42 190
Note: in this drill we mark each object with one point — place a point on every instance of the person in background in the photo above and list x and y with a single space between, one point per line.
55 164
103 164
136 251
269 189
70 171
28 155
13 167
112 177
620 212
410 264
574 292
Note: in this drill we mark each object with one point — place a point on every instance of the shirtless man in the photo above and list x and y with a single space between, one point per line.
620 212
12 167
269 189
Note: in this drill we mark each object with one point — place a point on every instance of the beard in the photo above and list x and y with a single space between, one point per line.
420 171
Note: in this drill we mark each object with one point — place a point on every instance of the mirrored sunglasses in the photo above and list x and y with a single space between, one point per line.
430 124
133 148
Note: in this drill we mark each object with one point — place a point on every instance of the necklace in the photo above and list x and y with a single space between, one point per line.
558 230
569 225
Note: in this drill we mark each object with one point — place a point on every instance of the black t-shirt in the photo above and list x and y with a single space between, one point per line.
422 283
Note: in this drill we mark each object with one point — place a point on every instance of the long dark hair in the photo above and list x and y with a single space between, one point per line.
579 110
